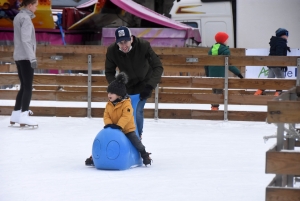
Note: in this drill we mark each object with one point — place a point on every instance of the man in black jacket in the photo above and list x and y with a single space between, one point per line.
135 57
278 47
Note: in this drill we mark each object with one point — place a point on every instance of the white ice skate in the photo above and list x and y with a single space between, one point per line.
25 119
15 117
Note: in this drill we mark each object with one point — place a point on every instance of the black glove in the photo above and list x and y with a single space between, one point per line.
33 63
240 76
113 126
146 93
284 69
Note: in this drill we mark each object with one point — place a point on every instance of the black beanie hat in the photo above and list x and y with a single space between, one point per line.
118 85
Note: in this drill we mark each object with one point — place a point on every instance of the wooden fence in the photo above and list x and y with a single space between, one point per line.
76 58
184 90
172 89
282 159
175 89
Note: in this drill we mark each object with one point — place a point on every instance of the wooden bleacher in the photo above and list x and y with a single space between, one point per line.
184 90
172 89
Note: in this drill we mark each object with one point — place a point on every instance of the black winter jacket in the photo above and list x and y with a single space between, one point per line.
278 47
141 64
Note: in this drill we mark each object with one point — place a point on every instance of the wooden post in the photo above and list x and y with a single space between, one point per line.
226 90
89 95
298 72
280 132
156 102
290 146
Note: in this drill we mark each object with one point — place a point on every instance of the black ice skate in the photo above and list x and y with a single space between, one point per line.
146 158
89 161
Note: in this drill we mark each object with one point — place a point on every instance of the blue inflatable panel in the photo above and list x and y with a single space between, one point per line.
112 150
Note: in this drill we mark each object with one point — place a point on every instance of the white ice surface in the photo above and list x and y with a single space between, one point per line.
192 160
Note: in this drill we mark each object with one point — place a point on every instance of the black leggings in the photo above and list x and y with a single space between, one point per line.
135 141
25 73
216 91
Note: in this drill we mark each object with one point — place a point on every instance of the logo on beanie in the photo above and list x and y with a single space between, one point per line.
121 33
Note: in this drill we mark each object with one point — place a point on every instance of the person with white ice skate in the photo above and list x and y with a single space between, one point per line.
25 58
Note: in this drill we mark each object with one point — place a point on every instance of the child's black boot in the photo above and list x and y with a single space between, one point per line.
89 161
146 158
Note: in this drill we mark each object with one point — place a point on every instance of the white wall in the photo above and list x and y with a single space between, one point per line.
257 21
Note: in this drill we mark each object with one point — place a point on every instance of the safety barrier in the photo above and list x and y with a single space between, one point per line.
282 159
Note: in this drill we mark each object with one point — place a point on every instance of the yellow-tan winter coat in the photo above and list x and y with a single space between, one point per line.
120 114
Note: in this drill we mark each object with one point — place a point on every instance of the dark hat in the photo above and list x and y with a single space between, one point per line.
221 37
122 33
118 85
281 31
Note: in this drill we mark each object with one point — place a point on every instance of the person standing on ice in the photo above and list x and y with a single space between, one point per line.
25 58
278 47
118 114
135 57
220 48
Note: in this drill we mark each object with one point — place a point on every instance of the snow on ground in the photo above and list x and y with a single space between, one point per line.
192 160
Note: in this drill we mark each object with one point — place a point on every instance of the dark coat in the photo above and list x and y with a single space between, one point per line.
141 64
219 71
278 47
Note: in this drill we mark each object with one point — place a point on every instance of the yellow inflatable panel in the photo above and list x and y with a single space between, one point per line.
10 8
84 23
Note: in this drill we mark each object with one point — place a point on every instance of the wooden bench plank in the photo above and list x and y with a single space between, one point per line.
9 79
206 60
101 96
98 49
232 115
193 51
80 61
176 81
68 88
166 81
148 113
52 79
79 54
8 68
283 162
282 194
236 83
283 111
161 89
6 57
232 99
